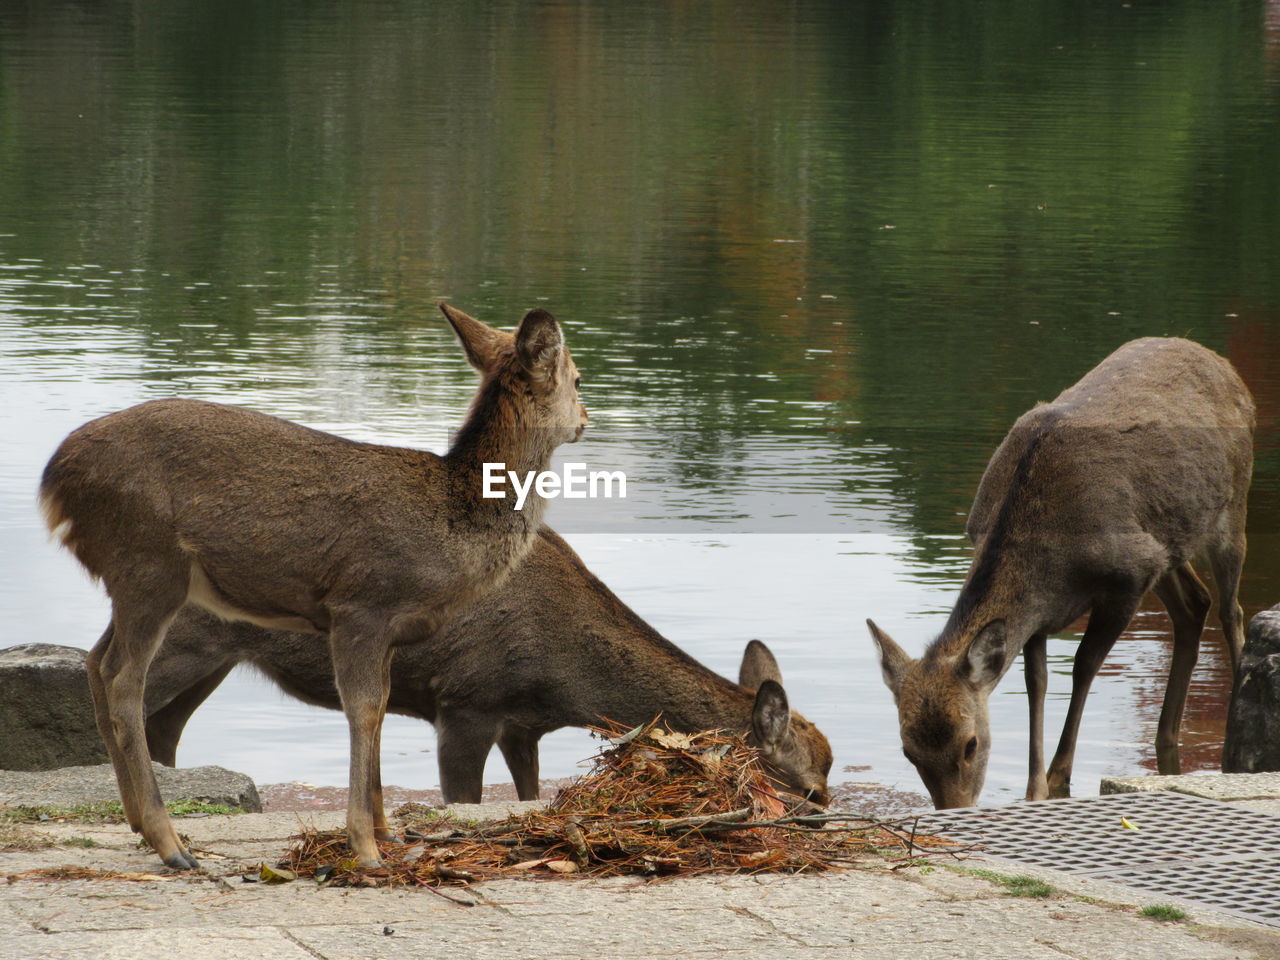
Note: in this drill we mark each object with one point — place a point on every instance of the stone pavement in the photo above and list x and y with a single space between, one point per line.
932 912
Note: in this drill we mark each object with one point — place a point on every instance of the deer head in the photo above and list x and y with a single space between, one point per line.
534 363
942 710
793 749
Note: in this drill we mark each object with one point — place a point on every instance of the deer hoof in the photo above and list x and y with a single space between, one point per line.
181 860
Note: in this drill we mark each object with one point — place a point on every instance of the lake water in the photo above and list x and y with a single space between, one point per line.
812 258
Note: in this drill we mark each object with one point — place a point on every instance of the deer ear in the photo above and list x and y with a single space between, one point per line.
758 665
482 343
894 661
771 716
539 343
984 661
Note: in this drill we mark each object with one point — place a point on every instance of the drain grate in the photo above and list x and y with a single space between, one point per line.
1188 847
1249 886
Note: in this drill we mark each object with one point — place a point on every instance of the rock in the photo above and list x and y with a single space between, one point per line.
47 720
76 786
1253 722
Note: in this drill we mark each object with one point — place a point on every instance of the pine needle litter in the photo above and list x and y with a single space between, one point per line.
654 804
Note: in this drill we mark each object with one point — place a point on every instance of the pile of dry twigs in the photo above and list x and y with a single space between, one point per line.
655 803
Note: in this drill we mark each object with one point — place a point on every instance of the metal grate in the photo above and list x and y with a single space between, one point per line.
1188 847
1249 886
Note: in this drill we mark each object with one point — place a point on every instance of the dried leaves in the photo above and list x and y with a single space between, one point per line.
655 803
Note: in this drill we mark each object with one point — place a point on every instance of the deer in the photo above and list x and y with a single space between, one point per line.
549 648
1090 501
364 547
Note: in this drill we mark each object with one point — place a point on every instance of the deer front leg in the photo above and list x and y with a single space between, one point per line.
463 740
1035 667
359 667
166 723
519 746
1106 623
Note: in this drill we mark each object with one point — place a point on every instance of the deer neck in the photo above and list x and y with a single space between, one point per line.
704 701
500 430
1006 584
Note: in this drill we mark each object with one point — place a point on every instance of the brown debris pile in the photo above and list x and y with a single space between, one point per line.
655 803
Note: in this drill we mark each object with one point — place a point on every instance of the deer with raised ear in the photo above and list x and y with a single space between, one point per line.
549 648
1090 501
254 518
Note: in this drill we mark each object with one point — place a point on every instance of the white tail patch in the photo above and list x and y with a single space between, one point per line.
58 523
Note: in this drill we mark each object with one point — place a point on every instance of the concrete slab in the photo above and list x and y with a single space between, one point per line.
926 913
1228 787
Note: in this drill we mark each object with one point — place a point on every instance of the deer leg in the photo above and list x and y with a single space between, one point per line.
1106 623
106 730
380 828
519 746
463 741
121 669
166 723
359 667
1036 670
1187 600
1227 562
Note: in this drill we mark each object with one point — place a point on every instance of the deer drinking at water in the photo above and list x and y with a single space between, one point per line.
1089 502
254 518
551 647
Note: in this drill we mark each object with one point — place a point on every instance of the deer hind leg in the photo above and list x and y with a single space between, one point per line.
1187 600
1106 623
106 729
360 658
141 615
1227 562
519 746
1035 667
463 739
166 723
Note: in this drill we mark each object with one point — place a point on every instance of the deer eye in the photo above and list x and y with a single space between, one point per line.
577 383
971 748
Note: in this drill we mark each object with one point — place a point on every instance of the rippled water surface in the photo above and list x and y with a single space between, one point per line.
812 260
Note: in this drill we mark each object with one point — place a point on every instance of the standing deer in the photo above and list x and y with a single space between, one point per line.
253 518
1090 501
549 648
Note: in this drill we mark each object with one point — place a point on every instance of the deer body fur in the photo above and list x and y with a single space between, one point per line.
551 647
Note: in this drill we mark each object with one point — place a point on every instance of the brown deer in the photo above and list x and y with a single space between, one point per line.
551 647
1091 500
259 519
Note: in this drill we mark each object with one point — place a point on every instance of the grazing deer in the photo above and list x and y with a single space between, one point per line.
551 647
253 518
1090 501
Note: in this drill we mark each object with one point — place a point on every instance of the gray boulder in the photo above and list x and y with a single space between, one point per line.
47 715
1253 722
